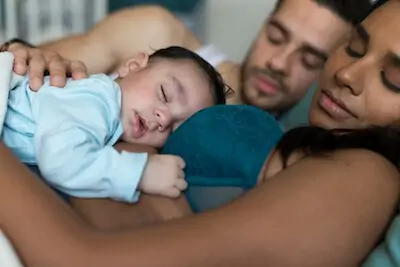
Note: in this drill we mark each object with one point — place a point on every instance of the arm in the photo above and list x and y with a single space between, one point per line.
74 160
123 34
330 215
106 46
110 215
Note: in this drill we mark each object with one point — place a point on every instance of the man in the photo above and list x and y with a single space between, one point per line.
284 60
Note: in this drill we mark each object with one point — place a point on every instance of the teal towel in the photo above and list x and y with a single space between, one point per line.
225 145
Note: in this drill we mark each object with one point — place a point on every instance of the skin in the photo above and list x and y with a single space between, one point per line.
366 77
356 201
160 94
158 28
281 227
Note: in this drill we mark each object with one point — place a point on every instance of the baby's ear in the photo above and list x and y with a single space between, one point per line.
133 64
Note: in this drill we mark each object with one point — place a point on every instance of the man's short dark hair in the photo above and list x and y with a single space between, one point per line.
219 88
352 11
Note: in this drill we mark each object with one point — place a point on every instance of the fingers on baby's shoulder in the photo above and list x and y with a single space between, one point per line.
78 69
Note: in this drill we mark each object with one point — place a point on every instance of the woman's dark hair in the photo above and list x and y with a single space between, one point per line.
219 88
318 141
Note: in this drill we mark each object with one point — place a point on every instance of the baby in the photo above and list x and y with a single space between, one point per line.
69 133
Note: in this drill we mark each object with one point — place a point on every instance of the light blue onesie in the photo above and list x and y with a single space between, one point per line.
69 134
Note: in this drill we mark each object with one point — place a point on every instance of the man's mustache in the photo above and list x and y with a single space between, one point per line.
276 77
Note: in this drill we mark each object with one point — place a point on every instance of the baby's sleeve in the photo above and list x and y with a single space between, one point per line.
71 143
72 161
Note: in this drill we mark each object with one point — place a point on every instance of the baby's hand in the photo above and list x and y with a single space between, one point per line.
163 175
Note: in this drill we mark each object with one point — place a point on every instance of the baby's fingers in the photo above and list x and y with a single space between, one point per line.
173 192
181 184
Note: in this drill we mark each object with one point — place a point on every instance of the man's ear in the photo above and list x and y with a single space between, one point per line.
136 63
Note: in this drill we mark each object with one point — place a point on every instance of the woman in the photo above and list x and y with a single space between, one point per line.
323 210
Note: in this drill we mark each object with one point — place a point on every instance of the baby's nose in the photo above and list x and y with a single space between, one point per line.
164 119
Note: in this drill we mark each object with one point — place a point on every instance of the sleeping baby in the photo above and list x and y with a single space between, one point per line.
69 133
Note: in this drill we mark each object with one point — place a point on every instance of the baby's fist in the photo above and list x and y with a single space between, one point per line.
164 175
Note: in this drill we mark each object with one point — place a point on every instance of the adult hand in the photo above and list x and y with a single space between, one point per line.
37 62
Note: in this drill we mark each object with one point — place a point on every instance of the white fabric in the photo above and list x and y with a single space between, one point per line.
212 55
8 256
6 64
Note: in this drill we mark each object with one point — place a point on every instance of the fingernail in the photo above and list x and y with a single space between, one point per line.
19 69
58 80
35 84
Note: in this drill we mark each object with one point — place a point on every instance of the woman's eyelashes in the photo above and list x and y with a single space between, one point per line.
356 47
389 84
353 53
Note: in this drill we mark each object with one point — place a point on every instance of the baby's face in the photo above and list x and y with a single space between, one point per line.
158 96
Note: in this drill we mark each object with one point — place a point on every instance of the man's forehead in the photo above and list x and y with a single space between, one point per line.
309 22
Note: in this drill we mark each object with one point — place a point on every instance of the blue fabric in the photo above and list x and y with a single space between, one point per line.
298 115
224 147
69 134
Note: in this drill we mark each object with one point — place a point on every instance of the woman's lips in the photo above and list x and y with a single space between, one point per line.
333 106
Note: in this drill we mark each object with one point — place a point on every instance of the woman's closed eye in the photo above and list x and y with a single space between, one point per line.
390 73
356 46
388 81
353 53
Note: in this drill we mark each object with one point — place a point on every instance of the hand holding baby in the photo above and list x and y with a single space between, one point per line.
164 176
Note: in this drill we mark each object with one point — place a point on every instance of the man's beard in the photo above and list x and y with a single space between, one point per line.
246 72
242 88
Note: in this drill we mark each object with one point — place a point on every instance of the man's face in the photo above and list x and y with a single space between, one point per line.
289 53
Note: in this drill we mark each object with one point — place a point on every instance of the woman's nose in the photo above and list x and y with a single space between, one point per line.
346 77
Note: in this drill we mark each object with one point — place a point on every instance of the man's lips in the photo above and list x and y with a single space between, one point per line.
333 106
138 125
266 85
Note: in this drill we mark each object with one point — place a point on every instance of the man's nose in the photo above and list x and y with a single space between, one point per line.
279 63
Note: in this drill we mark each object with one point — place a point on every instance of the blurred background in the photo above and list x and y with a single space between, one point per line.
228 24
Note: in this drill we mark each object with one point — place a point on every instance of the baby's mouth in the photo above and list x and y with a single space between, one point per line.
139 125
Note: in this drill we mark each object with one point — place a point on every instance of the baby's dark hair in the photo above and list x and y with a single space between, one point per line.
218 88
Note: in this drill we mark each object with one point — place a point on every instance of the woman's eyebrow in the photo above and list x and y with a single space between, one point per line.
362 32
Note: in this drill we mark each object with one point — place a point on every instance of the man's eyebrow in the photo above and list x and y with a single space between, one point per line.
317 52
362 32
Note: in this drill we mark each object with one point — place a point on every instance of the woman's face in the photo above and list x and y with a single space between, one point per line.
360 85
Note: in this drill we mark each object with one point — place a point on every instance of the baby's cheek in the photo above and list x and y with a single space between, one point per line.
157 139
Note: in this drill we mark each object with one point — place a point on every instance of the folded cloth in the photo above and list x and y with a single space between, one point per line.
224 146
